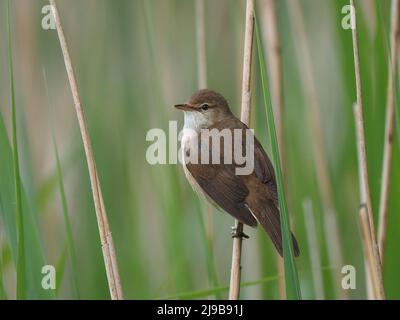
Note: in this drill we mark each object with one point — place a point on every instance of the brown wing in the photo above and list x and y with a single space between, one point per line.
264 170
232 193
266 208
221 184
263 198
263 167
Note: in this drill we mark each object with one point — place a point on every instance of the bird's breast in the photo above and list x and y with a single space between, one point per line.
189 146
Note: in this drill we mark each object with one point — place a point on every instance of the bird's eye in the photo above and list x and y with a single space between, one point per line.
204 106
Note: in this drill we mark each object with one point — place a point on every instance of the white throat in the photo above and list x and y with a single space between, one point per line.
195 121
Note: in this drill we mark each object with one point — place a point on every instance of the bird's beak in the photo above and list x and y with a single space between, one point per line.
184 107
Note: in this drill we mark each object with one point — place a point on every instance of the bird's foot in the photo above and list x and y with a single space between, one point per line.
238 234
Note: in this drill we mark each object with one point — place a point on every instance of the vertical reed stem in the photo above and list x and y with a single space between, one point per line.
372 275
201 45
374 265
389 128
247 59
234 287
104 230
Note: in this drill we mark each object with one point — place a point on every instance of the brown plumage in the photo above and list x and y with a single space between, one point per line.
250 198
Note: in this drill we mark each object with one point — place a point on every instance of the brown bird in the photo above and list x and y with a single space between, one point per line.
251 198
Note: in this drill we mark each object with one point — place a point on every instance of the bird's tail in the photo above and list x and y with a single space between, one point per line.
269 217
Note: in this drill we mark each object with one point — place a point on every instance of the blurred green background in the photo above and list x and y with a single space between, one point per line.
133 60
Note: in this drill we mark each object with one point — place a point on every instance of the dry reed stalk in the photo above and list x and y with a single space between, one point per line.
247 59
324 182
274 60
201 45
370 272
365 194
374 264
104 230
234 286
389 129
373 282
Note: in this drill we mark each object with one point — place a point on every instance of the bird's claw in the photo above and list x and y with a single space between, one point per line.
238 234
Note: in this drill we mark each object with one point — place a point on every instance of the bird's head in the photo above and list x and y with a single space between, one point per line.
204 108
